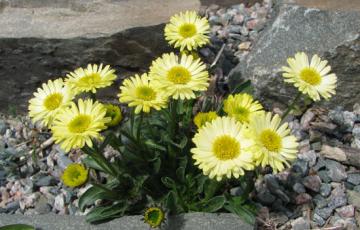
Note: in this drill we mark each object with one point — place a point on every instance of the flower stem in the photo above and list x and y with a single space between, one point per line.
291 106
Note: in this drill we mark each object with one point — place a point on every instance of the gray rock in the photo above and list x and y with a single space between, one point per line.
354 178
312 182
42 206
356 131
346 211
344 119
3 127
62 160
300 166
265 197
190 221
318 220
236 191
316 146
309 156
320 201
325 189
302 198
234 29
12 206
324 212
354 198
46 181
336 170
300 224
320 164
274 187
337 198
295 28
299 188
357 188
214 19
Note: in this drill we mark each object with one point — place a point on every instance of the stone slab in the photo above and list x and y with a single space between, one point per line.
191 221
83 18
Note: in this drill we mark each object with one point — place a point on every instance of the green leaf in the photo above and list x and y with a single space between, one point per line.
200 183
91 163
168 182
213 204
180 173
98 214
243 211
17 227
94 193
171 201
150 143
157 165
242 87
210 187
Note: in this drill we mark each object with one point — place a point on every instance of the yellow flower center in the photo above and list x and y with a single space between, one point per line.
179 75
242 113
74 174
53 101
310 76
79 124
270 140
90 80
145 93
226 147
187 30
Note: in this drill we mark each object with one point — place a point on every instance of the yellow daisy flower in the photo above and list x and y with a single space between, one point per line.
91 78
222 149
74 175
274 145
312 78
48 100
76 125
242 106
114 112
201 118
187 31
179 77
139 91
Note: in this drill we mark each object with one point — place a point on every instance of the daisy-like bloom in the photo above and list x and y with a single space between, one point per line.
313 79
154 216
187 31
139 91
274 145
78 124
179 77
48 100
222 149
242 106
74 175
114 112
201 118
91 78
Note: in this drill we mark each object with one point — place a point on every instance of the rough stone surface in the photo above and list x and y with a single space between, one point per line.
45 39
79 18
193 221
332 34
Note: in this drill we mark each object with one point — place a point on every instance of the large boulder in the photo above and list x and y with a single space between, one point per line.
45 39
332 32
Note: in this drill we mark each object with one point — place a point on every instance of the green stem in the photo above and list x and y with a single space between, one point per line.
139 127
291 106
